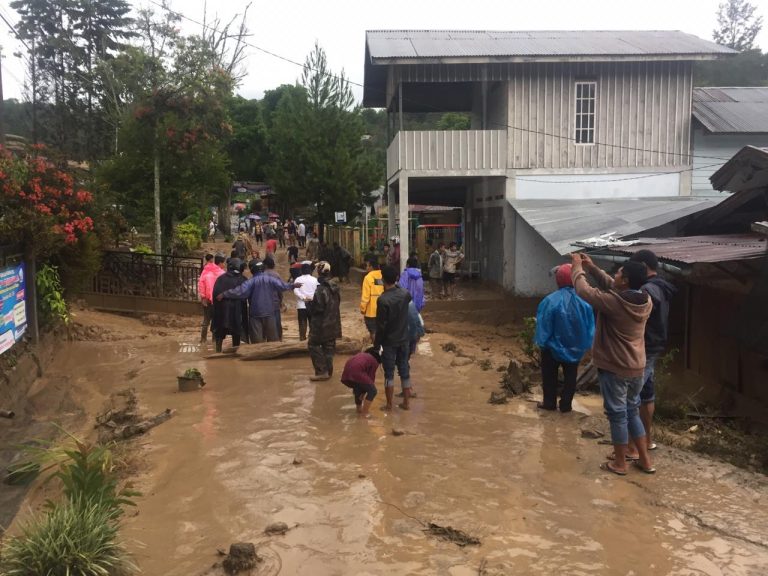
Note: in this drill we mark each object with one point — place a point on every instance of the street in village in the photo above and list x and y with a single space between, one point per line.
261 444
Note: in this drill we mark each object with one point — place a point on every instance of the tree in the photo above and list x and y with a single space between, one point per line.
316 143
454 121
737 25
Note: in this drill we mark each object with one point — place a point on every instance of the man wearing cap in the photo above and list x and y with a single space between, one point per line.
324 323
228 315
304 294
565 328
214 267
260 291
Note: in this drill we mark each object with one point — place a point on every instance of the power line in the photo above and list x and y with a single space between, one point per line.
501 124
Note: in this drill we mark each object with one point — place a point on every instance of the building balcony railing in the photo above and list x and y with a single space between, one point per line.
461 151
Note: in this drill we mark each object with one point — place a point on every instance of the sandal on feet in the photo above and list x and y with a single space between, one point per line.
643 469
608 467
652 446
628 457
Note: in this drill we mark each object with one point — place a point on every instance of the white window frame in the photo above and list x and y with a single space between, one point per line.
585 113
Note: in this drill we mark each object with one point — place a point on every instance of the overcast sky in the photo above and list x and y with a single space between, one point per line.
290 27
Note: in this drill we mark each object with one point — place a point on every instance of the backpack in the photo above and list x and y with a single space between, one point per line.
239 247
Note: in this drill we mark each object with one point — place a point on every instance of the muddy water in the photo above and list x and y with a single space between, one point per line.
526 484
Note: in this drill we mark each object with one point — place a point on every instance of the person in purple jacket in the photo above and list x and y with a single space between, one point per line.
412 281
360 375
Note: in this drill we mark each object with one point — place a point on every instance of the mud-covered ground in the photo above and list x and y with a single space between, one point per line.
262 444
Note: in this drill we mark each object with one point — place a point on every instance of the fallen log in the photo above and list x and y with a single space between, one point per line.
131 430
271 350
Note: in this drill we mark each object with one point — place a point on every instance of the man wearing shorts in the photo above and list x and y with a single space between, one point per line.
373 287
451 259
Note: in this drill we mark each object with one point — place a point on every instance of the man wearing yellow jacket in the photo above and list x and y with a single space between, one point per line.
373 287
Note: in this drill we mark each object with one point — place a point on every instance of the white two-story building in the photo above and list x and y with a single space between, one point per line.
573 134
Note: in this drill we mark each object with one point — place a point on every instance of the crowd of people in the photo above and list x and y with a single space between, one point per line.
623 319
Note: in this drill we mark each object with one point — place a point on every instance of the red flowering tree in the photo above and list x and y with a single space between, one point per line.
41 206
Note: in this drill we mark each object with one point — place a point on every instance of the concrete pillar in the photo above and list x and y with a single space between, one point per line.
403 220
391 213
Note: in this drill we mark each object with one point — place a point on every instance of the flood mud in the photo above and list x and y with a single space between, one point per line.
261 444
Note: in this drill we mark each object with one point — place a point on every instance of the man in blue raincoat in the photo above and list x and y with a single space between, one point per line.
565 328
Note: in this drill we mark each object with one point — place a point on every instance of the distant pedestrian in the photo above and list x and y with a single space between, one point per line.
324 323
392 336
313 247
618 352
282 234
213 268
656 333
301 231
228 315
258 233
304 294
435 270
373 287
259 290
343 260
394 254
293 254
565 329
360 374
243 247
292 231
412 281
211 230
452 258
271 246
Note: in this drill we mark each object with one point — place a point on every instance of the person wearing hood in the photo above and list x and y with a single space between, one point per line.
324 323
656 331
214 267
565 328
260 290
412 281
228 314
618 352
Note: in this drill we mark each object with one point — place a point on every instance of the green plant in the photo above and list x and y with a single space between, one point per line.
187 236
51 295
143 249
526 337
192 373
75 538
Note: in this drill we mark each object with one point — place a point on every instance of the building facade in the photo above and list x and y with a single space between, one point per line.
595 117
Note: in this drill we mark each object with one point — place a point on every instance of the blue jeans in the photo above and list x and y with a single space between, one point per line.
396 356
648 393
621 400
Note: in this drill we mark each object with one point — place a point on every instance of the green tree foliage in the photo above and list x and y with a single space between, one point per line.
248 148
317 145
737 25
454 121
750 68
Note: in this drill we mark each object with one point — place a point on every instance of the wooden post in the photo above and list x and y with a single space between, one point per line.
30 297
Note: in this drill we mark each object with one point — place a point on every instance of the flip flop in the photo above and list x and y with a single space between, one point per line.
626 458
640 467
606 466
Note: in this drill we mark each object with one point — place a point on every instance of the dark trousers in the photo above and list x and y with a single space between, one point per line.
219 339
360 390
279 324
549 372
303 323
321 354
207 318
261 329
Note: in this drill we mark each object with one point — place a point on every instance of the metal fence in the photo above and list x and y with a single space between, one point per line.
149 275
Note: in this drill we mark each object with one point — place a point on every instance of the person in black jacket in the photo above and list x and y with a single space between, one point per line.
392 336
228 315
324 323
656 333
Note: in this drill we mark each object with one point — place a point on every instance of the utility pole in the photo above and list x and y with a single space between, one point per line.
2 101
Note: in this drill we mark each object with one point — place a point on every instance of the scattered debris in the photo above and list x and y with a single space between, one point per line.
361 476
461 361
485 364
694 428
7 413
271 350
277 528
297 462
397 432
121 408
131 430
515 381
449 347
587 379
591 433
498 398
242 557
451 535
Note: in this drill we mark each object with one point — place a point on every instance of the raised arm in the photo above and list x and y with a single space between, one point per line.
242 292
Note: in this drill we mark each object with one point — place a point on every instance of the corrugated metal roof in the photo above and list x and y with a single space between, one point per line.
732 110
563 222
700 249
430 44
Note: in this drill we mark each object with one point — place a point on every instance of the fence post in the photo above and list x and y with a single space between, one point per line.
30 286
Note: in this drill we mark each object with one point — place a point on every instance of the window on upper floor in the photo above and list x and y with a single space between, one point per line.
586 96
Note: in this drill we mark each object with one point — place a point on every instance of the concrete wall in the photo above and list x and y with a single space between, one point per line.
535 185
534 258
721 147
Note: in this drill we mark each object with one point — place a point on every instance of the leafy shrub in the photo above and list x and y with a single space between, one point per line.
75 538
526 337
187 236
143 249
51 295
78 263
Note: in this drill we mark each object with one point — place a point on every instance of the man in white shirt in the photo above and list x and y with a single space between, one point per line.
304 293
302 234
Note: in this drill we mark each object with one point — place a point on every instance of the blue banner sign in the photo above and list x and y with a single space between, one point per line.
13 312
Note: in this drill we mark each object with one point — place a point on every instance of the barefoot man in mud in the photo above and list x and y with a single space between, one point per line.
392 336
618 352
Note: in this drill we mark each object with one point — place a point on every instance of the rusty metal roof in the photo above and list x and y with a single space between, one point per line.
432 44
732 110
700 249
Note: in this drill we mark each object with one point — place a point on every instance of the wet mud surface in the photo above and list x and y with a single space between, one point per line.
262 444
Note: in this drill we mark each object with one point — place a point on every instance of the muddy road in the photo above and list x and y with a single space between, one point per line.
261 444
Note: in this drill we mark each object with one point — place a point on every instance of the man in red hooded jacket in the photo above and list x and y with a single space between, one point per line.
213 268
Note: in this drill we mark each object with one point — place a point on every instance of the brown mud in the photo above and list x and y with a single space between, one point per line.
262 444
